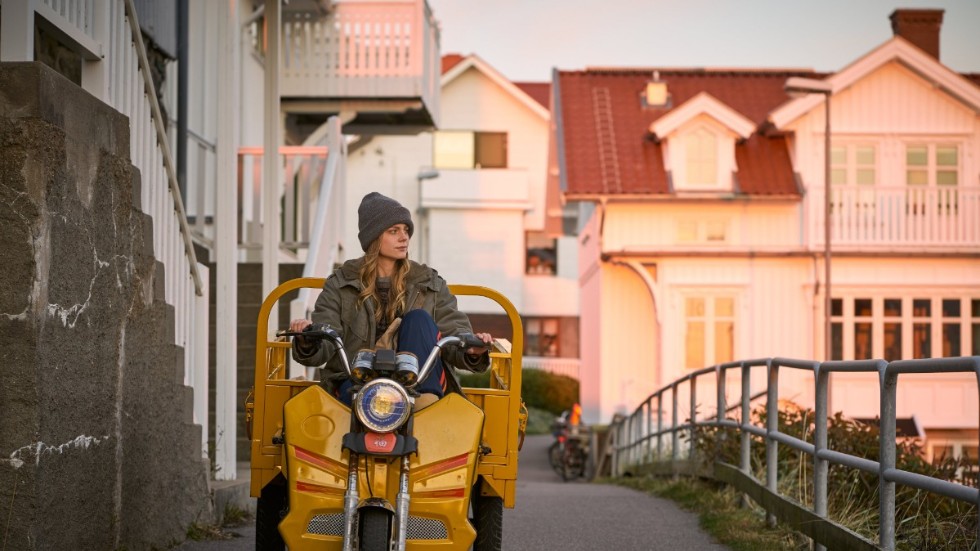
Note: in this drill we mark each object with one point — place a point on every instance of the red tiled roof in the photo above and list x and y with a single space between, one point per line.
539 91
449 61
631 161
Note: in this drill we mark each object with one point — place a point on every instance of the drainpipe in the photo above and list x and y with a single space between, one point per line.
182 61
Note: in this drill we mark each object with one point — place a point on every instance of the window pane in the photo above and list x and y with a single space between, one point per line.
724 341
921 307
893 341
947 178
866 176
491 150
921 341
694 345
862 307
916 177
866 155
951 307
716 231
916 155
970 452
893 307
951 339
702 153
724 307
862 341
694 307
836 341
836 307
838 155
453 149
940 453
838 176
976 340
947 156
975 307
687 231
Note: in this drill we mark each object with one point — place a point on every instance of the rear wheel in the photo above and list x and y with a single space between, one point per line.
269 511
374 529
488 515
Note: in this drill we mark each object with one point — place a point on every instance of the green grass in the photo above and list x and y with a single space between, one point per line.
740 528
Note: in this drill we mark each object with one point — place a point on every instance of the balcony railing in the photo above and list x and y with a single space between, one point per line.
905 216
387 49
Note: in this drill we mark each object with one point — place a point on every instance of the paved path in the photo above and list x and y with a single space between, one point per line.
570 516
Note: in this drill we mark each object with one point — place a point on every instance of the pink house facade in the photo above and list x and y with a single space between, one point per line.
701 198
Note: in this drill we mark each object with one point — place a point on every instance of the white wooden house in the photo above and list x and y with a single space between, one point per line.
701 193
262 75
477 188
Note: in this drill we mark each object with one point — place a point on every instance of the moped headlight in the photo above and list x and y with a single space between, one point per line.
382 405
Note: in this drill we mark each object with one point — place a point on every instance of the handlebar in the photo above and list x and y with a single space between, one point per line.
324 332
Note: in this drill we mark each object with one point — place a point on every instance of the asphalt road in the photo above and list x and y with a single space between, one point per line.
571 516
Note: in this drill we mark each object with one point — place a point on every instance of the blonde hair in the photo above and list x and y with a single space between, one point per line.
368 275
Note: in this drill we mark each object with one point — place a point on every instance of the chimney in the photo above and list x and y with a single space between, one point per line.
920 27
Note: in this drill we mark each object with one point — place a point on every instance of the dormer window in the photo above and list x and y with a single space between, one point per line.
699 139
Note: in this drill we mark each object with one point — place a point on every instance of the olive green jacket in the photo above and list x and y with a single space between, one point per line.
337 307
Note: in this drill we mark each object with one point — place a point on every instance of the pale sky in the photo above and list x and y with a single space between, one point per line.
525 39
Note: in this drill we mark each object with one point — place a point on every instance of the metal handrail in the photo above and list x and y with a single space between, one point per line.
634 436
164 145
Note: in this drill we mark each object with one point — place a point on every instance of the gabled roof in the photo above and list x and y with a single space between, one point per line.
896 49
473 61
604 131
702 104
540 91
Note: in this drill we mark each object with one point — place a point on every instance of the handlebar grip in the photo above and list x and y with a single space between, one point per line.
471 341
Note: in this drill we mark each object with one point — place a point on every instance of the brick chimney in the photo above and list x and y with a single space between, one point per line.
920 27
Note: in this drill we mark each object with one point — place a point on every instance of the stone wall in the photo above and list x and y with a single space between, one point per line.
97 445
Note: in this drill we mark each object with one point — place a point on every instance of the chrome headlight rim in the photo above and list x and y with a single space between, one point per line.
373 417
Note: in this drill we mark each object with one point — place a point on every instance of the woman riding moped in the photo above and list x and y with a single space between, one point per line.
384 294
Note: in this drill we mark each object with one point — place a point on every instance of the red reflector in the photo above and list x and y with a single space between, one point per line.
379 443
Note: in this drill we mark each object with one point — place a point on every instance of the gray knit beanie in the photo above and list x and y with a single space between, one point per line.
378 213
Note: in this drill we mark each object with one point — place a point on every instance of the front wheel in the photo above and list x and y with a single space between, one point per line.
374 529
268 513
488 514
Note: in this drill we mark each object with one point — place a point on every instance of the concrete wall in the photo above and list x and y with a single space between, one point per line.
97 445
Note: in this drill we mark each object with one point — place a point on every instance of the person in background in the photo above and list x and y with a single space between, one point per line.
383 293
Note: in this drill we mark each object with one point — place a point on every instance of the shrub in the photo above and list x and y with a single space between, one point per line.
539 389
923 520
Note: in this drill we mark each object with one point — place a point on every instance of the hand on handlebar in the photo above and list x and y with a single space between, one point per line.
480 350
299 325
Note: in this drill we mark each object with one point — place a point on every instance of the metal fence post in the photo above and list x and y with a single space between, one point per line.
720 374
660 425
694 419
746 442
772 426
886 459
649 424
674 435
820 466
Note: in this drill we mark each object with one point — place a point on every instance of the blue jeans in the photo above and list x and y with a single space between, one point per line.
417 334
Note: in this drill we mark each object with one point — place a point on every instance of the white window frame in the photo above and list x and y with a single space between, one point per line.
907 319
710 320
932 166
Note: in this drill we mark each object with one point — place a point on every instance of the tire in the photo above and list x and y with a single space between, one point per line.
269 511
488 516
374 525
554 455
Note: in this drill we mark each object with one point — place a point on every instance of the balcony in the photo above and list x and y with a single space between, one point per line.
489 188
907 218
375 63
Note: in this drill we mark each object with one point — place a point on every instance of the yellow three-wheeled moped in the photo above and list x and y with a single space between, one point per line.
382 477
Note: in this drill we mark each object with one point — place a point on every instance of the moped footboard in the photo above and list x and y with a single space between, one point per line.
441 474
